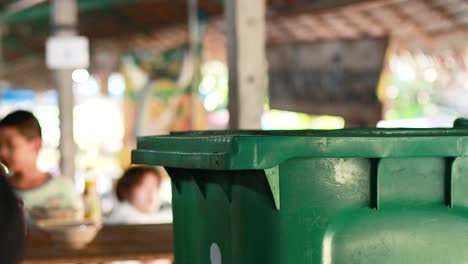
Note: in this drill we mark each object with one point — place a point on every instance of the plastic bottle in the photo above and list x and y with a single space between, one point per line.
91 199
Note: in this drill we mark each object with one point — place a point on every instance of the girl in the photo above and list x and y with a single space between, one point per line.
138 193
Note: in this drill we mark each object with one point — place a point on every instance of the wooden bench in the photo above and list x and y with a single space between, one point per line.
118 242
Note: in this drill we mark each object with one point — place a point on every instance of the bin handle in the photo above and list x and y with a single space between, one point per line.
461 123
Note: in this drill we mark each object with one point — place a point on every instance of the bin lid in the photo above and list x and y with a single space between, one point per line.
255 150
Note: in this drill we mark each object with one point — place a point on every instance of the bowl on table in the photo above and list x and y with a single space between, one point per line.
71 234
47 213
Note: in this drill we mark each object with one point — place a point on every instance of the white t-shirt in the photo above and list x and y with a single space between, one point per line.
125 213
56 192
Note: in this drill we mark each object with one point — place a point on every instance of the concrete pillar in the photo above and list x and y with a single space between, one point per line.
245 36
64 18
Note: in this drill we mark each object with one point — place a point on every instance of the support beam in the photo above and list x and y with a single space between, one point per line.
371 20
336 32
43 11
322 31
64 20
245 31
336 6
195 48
365 28
341 29
412 25
22 5
445 14
306 28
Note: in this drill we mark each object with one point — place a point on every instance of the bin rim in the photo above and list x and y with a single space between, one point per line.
259 149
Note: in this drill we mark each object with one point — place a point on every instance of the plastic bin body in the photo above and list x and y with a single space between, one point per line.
325 197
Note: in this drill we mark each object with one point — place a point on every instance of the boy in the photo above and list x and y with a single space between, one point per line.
20 143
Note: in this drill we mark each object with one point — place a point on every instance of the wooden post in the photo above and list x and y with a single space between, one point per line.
64 17
194 33
245 36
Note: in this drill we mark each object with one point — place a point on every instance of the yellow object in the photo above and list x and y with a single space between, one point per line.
91 200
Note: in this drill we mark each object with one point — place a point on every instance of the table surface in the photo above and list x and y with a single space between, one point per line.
112 243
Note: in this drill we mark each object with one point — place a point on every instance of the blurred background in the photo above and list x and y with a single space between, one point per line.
149 67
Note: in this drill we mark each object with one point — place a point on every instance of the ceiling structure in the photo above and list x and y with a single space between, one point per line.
162 24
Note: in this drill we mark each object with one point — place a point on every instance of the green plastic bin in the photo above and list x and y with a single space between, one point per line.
325 197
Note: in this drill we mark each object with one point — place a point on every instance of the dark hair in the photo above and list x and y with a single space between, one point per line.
12 228
25 122
131 178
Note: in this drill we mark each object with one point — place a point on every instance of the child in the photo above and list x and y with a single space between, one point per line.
11 223
20 143
138 193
